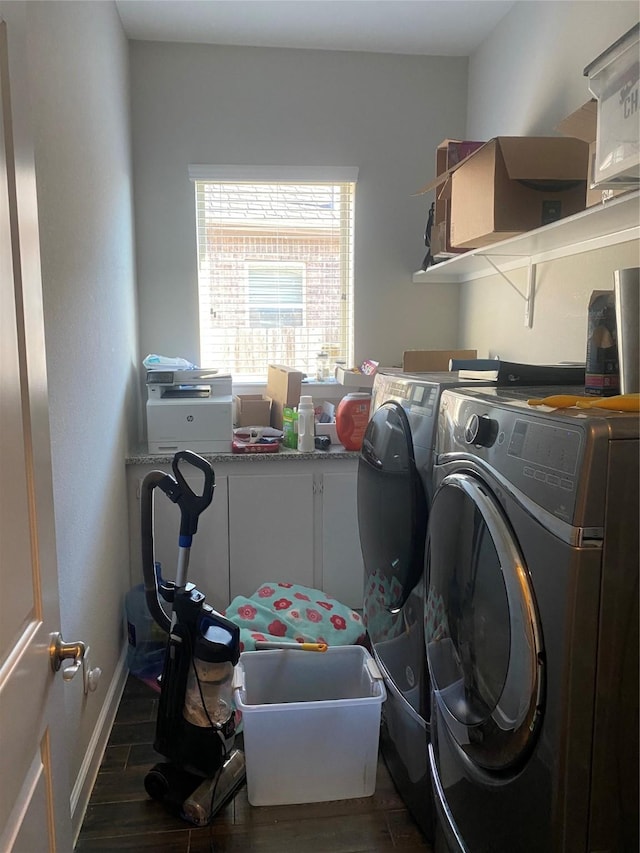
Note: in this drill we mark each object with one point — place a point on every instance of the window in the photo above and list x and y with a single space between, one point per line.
276 294
275 266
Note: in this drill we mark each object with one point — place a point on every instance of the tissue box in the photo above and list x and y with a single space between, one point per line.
252 410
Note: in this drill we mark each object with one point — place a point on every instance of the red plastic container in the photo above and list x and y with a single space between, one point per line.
352 417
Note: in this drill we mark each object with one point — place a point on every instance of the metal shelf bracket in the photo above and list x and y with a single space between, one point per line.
529 296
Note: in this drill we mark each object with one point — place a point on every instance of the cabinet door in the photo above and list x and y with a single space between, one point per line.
270 530
209 558
342 565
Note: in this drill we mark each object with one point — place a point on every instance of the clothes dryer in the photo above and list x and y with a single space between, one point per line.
531 626
394 494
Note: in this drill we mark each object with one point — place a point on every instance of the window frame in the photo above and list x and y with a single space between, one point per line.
344 178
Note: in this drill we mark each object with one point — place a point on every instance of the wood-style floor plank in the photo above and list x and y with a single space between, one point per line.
361 833
158 842
122 818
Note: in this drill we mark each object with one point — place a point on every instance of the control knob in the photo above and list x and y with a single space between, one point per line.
480 430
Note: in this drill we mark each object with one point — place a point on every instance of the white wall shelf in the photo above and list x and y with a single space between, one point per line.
616 221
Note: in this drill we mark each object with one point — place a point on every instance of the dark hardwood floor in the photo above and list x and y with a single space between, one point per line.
121 817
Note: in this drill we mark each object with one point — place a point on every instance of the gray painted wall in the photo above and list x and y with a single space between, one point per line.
232 105
528 74
523 80
83 168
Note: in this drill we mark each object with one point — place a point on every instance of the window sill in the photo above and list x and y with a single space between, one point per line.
327 390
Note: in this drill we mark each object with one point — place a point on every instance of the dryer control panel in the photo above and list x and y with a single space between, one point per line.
540 456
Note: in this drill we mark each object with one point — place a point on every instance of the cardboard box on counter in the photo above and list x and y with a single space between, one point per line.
513 184
284 385
252 410
427 360
582 124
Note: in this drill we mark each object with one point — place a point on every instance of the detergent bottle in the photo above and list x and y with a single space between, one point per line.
352 417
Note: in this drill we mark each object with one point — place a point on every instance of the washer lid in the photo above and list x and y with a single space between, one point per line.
392 508
484 644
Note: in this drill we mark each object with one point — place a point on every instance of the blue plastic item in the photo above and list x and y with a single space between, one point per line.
147 641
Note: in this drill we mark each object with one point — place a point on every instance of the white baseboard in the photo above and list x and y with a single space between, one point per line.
86 778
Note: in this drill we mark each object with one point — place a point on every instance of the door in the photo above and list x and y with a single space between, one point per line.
34 793
484 643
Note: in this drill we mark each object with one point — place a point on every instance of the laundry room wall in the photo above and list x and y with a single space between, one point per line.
78 64
240 105
525 78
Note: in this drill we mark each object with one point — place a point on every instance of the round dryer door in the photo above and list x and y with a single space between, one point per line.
392 513
484 646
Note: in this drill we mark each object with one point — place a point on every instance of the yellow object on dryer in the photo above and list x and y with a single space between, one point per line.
556 401
618 403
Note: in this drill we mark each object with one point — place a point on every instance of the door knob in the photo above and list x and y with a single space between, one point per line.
79 654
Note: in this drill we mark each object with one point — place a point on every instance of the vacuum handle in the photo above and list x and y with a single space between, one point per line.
191 504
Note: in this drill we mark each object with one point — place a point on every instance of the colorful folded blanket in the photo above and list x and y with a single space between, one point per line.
292 613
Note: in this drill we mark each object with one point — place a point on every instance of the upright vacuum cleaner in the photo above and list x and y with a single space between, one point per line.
195 729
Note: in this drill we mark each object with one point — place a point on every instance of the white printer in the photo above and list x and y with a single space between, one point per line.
189 410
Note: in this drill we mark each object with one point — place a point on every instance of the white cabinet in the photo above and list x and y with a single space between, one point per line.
271 523
342 566
288 519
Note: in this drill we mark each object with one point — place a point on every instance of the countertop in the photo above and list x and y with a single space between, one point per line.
139 456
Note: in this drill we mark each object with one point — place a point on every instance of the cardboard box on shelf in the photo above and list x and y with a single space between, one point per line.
614 80
252 410
284 385
582 124
449 153
427 360
513 184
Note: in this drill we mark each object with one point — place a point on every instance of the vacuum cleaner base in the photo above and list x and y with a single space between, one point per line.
191 797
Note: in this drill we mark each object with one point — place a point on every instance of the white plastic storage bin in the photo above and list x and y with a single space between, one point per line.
311 724
613 80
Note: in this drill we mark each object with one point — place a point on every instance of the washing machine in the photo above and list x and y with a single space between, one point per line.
531 626
394 495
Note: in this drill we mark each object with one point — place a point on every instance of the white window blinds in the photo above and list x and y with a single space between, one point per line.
275 266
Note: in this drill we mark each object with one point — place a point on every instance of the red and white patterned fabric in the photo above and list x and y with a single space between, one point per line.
293 613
